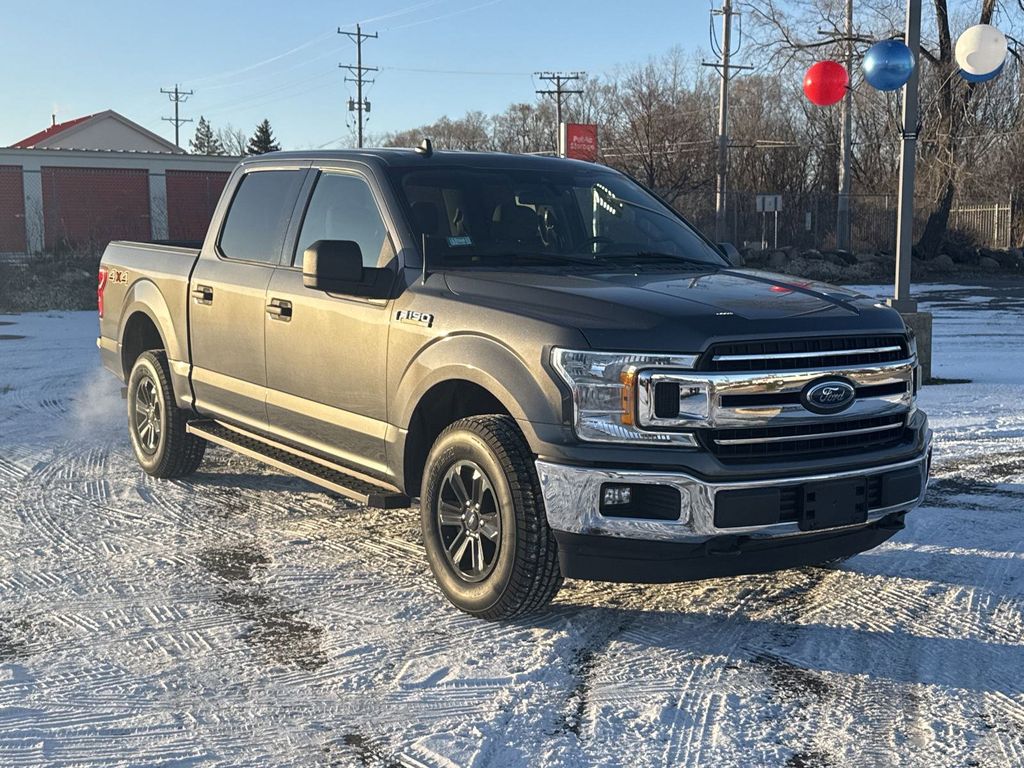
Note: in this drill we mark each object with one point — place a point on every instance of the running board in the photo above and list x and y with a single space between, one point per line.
346 482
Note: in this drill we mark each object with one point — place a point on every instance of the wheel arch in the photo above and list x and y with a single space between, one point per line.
146 318
443 404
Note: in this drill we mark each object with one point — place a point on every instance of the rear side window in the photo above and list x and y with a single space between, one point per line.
258 218
343 208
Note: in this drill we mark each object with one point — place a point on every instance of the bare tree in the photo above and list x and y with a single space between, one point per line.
233 140
659 126
792 35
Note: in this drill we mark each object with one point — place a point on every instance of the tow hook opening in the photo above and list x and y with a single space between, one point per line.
729 546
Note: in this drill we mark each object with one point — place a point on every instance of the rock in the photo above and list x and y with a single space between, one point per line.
942 263
988 264
836 259
845 256
756 258
865 258
859 273
778 260
810 253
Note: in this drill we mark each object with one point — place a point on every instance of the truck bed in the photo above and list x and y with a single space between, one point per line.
146 277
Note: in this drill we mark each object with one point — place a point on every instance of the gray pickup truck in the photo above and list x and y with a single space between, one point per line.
573 381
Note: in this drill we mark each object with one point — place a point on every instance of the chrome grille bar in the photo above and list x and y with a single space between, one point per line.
811 436
802 355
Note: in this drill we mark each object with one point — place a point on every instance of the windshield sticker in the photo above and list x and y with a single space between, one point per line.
461 240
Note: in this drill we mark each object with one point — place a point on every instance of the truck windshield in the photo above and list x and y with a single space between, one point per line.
497 217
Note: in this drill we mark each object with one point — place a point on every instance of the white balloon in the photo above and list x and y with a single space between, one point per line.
981 49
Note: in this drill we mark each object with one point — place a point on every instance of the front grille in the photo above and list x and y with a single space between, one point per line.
761 443
792 354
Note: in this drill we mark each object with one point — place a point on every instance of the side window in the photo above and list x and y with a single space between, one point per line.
259 214
343 208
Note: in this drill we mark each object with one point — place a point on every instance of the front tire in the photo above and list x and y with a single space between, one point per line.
484 527
156 425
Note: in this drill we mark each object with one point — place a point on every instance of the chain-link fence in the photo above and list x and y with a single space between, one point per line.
809 221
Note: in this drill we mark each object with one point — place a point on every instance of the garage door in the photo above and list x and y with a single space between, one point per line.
86 208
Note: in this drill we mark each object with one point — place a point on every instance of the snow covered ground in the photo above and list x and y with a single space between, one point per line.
242 617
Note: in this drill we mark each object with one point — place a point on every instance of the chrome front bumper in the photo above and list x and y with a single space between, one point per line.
572 496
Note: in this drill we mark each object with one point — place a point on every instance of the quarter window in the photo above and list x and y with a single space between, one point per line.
343 208
258 218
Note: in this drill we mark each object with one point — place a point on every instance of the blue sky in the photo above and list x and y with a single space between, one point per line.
250 60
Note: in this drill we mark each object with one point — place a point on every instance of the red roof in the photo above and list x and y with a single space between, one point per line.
53 130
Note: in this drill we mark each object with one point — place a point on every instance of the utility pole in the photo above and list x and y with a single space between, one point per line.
846 146
360 105
177 97
725 68
560 91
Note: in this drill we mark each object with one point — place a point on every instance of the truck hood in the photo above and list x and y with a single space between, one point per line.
677 311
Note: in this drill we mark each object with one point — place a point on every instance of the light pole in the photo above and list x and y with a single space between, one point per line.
919 322
901 300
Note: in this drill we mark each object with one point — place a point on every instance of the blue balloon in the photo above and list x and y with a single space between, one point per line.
888 65
982 78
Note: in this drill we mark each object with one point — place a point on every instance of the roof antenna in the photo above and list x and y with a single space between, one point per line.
424 258
426 148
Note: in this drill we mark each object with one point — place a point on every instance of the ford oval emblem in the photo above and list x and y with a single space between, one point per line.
829 396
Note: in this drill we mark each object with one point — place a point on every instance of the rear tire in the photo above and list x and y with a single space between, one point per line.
155 423
484 527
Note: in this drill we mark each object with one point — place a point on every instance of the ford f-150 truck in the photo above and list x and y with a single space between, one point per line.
573 381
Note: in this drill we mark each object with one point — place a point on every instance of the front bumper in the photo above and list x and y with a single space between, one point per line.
572 500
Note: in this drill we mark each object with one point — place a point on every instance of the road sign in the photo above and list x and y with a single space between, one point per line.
769 203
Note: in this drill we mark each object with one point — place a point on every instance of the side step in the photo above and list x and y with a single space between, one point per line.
346 482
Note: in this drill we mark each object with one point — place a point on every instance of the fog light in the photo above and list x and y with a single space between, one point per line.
616 495
640 501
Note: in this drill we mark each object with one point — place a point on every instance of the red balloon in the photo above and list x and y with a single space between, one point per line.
825 83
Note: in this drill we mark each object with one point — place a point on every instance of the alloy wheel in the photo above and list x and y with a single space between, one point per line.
147 415
469 521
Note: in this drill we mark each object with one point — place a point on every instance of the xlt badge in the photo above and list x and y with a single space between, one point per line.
412 316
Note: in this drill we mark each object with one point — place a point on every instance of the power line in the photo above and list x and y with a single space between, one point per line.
177 97
487 72
560 79
360 105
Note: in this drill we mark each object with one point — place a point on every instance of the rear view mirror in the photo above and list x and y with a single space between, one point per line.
732 255
332 265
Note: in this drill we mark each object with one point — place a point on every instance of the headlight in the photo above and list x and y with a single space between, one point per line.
604 390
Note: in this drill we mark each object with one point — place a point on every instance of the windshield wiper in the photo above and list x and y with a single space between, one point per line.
660 256
486 259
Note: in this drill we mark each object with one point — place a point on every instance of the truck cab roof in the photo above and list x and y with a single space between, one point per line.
403 157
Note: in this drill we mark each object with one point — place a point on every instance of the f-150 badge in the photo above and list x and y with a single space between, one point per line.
411 316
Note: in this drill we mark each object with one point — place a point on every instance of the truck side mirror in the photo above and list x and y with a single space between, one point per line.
332 265
336 266
732 255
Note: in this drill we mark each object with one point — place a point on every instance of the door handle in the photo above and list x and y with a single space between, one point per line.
279 309
203 294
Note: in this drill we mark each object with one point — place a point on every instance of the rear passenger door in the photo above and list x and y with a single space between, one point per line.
326 357
228 290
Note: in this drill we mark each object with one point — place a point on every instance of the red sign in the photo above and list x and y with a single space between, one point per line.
581 141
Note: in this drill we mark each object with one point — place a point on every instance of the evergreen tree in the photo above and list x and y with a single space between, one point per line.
205 142
263 140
